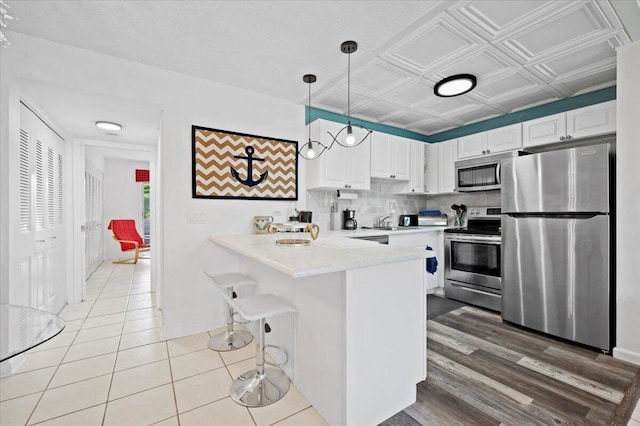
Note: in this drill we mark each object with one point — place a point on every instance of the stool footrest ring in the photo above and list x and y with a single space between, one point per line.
281 349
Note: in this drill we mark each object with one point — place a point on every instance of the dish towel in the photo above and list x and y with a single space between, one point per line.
432 262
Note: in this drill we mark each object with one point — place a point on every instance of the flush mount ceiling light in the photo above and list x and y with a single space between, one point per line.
349 47
107 125
312 149
455 85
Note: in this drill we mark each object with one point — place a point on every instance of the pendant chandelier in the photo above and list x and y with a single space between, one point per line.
350 141
312 149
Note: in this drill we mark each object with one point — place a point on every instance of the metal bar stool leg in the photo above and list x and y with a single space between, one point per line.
231 339
262 386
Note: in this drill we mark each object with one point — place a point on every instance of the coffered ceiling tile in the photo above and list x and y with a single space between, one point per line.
592 81
525 100
484 64
444 106
377 77
576 59
376 110
405 120
411 94
336 99
436 127
437 42
505 86
479 114
494 17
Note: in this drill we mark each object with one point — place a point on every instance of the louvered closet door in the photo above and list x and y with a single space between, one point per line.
94 235
41 248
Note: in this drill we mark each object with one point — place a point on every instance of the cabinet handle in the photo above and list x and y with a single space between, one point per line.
568 136
561 138
40 241
413 190
488 151
484 152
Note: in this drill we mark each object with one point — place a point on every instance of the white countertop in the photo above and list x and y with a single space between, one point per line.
360 232
326 254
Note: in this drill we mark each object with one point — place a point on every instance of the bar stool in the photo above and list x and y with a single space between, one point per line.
261 386
231 339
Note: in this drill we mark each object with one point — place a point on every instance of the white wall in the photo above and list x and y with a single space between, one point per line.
628 204
190 304
122 200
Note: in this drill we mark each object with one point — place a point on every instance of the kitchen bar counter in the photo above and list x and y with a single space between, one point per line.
325 255
362 232
357 339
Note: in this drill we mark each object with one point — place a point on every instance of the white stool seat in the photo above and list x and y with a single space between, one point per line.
229 280
260 306
231 339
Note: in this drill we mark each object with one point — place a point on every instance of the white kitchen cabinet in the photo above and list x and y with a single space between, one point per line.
472 145
390 157
447 156
339 167
594 120
502 139
598 119
431 168
433 283
416 171
506 138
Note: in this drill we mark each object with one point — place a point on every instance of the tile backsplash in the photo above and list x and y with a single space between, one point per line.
376 203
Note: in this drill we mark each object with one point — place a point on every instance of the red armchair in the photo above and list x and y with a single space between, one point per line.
125 232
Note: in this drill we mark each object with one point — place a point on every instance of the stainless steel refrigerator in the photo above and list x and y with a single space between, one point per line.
556 245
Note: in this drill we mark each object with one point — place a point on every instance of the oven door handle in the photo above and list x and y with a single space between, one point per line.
493 240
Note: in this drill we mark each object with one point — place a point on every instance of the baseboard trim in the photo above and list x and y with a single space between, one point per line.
626 355
181 330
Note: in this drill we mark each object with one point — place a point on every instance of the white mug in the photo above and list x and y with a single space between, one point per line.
261 223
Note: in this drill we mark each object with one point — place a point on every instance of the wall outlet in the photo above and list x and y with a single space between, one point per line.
196 217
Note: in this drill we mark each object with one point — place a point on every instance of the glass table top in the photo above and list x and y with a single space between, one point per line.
23 328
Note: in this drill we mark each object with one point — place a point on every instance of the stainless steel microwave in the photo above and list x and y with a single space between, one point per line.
482 173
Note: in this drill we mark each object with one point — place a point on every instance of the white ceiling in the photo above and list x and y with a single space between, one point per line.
524 52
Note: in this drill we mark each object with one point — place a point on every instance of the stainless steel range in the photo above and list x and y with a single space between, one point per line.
472 259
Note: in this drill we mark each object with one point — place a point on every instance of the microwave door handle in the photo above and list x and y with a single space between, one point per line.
498 173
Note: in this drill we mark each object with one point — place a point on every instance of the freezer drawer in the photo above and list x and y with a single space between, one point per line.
566 181
555 276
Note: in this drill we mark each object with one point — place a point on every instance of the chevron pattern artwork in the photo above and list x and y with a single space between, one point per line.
235 165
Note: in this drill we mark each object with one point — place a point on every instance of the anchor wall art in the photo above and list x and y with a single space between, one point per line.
235 165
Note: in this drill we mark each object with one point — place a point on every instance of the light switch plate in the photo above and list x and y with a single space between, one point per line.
196 217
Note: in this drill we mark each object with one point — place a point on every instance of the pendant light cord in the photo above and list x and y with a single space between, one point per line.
309 112
349 89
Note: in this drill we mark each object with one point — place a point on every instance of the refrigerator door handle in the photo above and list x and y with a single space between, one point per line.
498 179
585 215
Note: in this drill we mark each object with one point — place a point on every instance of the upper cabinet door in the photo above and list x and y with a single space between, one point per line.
416 181
505 138
544 130
447 156
358 166
400 154
380 159
431 172
472 145
593 120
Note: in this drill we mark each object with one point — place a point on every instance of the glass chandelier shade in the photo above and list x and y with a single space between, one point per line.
312 149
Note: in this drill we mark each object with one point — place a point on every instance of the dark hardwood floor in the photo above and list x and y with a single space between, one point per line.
483 371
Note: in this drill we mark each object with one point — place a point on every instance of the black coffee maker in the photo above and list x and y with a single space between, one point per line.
349 219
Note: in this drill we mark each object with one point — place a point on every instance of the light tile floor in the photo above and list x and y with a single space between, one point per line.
110 366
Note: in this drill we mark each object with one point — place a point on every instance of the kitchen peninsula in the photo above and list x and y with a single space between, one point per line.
357 340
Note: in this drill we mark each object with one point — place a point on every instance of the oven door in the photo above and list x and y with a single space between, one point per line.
473 259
